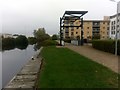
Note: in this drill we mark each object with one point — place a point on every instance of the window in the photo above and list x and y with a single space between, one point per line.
118 20
103 22
103 27
114 27
87 27
117 26
71 33
77 27
111 32
76 32
67 34
114 32
76 22
66 22
114 22
72 29
87 32
66 30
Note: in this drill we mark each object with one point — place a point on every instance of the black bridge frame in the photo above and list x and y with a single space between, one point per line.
72 16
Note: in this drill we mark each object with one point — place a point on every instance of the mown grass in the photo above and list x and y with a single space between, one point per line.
63 68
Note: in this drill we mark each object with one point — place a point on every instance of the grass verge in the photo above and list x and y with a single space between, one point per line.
64 68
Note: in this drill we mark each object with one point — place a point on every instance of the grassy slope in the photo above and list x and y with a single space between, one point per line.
64 68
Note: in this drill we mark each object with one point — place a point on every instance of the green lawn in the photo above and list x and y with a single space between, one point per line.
63 68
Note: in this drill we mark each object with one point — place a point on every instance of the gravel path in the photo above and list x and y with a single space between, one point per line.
107 59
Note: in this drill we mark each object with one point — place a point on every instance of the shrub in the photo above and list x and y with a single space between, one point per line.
106 45
54 37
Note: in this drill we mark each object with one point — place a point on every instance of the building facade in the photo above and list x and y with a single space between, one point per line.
91 29
113 23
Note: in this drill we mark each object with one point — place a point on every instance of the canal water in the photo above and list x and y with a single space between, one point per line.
13 61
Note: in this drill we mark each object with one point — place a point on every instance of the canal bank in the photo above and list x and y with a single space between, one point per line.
27 77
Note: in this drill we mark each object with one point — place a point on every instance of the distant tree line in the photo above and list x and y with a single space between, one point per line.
40 38
20 42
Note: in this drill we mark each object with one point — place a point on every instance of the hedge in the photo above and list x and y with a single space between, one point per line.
106 45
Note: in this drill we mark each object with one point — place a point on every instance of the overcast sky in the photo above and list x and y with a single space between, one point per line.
23 16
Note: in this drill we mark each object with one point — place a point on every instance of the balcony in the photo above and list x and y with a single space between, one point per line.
96 24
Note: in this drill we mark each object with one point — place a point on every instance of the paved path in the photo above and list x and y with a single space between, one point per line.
107 59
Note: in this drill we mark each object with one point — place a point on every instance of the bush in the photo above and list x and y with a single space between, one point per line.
106 45
49 43
54 37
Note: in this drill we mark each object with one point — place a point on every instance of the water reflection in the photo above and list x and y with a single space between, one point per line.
14 59
10 47
37 46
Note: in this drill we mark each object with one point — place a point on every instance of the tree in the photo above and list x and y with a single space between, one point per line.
40 34
21 40
54 37
8 43
31 40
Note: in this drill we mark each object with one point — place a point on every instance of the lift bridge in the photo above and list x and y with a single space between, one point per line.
72 16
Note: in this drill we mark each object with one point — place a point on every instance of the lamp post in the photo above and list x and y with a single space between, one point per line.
116 37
